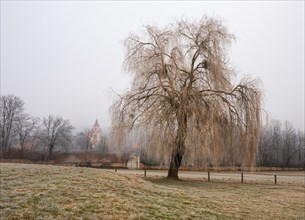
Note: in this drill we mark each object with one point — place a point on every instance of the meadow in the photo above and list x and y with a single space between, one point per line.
32 191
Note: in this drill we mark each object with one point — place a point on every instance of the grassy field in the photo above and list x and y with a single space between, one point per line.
55 192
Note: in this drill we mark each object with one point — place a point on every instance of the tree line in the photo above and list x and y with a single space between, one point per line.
20 130
280 145
30 135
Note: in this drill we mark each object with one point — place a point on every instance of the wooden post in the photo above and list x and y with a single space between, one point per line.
138 163
242 177
274 179
145 173
208 175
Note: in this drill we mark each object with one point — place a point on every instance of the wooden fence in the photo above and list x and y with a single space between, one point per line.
242 177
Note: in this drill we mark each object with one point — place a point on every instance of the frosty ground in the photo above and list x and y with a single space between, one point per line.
55 192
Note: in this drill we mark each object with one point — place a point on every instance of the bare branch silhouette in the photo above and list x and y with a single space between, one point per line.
182 93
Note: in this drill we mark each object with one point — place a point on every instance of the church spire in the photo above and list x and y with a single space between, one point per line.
95 134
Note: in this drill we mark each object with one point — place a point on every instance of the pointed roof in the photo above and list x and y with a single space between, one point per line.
96 123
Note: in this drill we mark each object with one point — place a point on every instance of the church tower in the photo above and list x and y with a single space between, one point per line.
95 134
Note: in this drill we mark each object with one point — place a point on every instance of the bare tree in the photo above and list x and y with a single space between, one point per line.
10 108
265 147
83 140
289 143
56 132
301 148
271 144
182 92
25 126
125 155
36 151
281 145
276 134
103 145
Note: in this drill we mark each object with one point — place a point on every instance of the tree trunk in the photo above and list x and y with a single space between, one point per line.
22 146
174 164
178 152
50 152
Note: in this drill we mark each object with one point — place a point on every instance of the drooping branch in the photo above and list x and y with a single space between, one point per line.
182 87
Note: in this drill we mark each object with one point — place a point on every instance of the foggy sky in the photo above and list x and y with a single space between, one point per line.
63 58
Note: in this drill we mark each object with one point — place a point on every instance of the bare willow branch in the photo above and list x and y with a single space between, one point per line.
182 96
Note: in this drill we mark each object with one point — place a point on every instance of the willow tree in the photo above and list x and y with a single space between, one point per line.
183 93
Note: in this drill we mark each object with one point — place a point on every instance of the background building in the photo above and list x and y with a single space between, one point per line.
95 134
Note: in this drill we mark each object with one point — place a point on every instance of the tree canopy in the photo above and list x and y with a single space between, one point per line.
11 107
183 96
55 132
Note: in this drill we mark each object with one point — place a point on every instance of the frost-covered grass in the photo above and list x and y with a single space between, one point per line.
55 192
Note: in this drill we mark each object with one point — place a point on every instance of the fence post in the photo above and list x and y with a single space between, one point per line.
274 179
144 173
208 175
242 177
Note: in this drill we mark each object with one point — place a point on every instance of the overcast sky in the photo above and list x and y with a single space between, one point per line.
62 58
